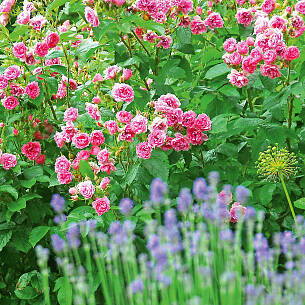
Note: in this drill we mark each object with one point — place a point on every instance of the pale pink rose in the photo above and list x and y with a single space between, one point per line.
10 102
62 164
32 90
3 81
12 72
52 40
97 78
93 111
23 17
73 191
300 7
86 189
103 156
8 161
268 6
144 150
95 168
38 22
272 71
71 114
126 75
244 16
64 27
236 211
64 177
101 205
59 139
230 45
41 49
124 116
237 79
91 16
112 72
111 126
139 124
292 53
197 26
28 6
19 50
97 138
104 183
122 93
180 142
81 140
170 99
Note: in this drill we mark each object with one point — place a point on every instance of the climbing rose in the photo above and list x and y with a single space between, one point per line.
12 72
41 159
104 183
180 142
230 45
86 189
32 150
122 93
71 114
32 90
111 126
97 138
197 26
101 205
237 79
23 17
213 21
234 211
143 150
272 71
300 7
3 81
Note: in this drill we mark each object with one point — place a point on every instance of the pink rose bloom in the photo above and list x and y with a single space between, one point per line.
278 22
108 167
185 6
158 123
124 116
139 124
249 65
250 41
86 189
143 150
241 2
96 100
270 56
225 196
112 72
12 72
64 27
188 118
59 139
230 45
69 131
72 82
156 138
196 136
237 79
242 48
62 164
32 150
81 140
203 122
235 58
91 17
52 40
159 17
268 6
93 111
122 93
71 114
23 17
244 17
73 191
213 21
180 142
235 212
8 161
30 59
272 71
126 75
83 155
16 89
32 90
38 22
127 134
41 49
256 55
104 183
111 126
3 81
199 9
170 99
64 177
19 50
41 159
97 78
300 7
165 42
10 102
197 26
174 116
101 205
103 156
118 2
150 36
97 138
28 6
292 53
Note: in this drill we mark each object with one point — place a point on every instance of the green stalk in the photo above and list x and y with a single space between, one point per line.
288 198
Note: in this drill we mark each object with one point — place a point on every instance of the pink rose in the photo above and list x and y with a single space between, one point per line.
126 75
30 59
272 71
62 164
188 118
71 114
165 42
244 17
69 131
32 150
292 53
127 134
19 50
237 79
32 90
41 159
91 16
268 6
242 48
81 140
111 126
83 155
93 111
124 116
139 124
230 45
196 136
12 72
108 167
86 189
96 100
3 81
112 72
197 26
122 93
97 138
235 58
52 40
41 49
213 21
64 177
185 6
170 99
8 161
10 102
300 7
156 138
103 156
23 17
249 65
235 210
270 56
174 116
180 142
104 183
143 150
38 22
97 78
101 205
59 139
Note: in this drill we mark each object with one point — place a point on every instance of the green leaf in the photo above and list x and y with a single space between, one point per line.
17 205
54 5
266 193
85 169
59 69
64 295
158 165
33 172
132 173
4 239
229 90
26 293
217 70
52 85
28 183
300 203
9 189
37 234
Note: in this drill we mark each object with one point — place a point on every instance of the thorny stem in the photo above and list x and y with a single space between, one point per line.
140 42
288 198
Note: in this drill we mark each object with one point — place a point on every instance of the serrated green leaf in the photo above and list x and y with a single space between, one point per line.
85 169
33 172
37 234
4 238
158 165
300 203
9 189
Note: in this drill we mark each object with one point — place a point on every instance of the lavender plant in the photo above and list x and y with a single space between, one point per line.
193 253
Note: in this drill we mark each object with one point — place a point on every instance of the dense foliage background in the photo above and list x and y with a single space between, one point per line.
182 61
